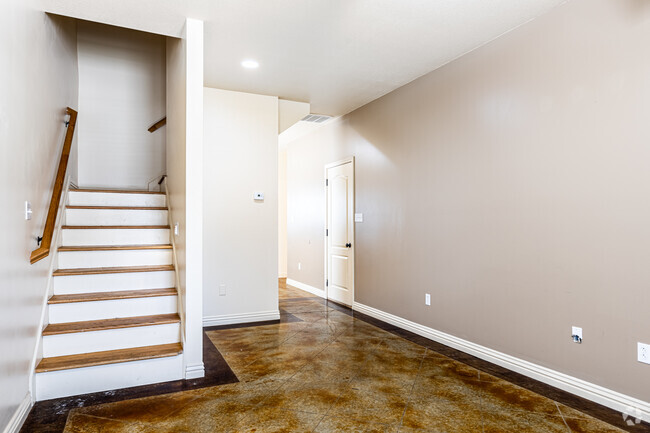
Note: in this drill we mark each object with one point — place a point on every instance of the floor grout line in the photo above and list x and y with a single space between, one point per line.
562 415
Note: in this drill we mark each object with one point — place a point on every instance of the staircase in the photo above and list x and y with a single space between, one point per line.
112 321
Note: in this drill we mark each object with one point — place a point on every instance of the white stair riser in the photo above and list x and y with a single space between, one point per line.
97 310
75 284
85 237
115 217
115 199
103 259
78 381
111 339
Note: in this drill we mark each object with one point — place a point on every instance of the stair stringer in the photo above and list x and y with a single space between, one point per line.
180 296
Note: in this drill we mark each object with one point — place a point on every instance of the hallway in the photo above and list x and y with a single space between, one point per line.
322 370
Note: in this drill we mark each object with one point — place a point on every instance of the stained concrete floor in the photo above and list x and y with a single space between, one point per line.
326 371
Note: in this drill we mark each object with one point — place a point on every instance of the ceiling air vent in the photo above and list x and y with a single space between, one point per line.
316 118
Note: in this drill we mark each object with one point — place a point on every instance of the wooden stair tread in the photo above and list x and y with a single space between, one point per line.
112 270
116 191
105 324
116 247
118 207
108 357
113 227
110 296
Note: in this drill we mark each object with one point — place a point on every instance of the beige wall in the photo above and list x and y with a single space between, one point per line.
240 241
512 184
121 94
38 79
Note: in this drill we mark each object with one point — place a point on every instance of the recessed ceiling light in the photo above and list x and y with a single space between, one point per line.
250 64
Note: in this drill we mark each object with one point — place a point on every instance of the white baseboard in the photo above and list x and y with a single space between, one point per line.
19 417
306 287
232 319
606 397
194 371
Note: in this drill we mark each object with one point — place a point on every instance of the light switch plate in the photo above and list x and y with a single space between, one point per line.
427 299
358 217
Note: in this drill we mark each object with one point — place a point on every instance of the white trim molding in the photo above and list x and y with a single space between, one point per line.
232 319
596 393
306 287
20 415
194 371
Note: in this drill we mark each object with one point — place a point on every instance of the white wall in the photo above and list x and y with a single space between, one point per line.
38 79
185 181
240 243
282 213
121 94
290 112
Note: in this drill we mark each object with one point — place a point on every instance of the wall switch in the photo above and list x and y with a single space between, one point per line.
643 353
258 196
427 299
299 266
28 211
576 334
177 229
358 217
222 290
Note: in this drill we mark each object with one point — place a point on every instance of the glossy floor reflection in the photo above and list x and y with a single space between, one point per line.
331 372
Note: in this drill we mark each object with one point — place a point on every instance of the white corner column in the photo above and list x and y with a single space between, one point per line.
194 201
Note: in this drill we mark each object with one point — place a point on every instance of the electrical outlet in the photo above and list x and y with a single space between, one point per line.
299 266
427 299
576 334
222 290
643 353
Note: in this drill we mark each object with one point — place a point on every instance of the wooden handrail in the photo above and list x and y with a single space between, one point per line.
159 124
44 250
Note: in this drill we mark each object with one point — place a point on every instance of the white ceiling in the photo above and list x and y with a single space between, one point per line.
335 54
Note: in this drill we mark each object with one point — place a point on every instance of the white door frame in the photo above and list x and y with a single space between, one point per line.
349 159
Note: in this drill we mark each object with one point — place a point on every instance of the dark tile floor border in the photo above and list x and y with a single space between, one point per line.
581 404
50 416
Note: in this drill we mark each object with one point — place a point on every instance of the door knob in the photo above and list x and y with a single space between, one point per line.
349 245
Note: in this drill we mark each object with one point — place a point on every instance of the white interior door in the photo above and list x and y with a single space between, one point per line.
340 232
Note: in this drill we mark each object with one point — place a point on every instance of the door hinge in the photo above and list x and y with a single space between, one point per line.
327 182
327 283
327 232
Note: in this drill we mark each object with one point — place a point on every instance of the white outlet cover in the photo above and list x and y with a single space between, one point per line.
222 290
358 217
258 196
427 299
576 331
643 353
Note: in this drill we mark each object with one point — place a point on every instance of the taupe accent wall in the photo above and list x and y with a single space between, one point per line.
512 184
